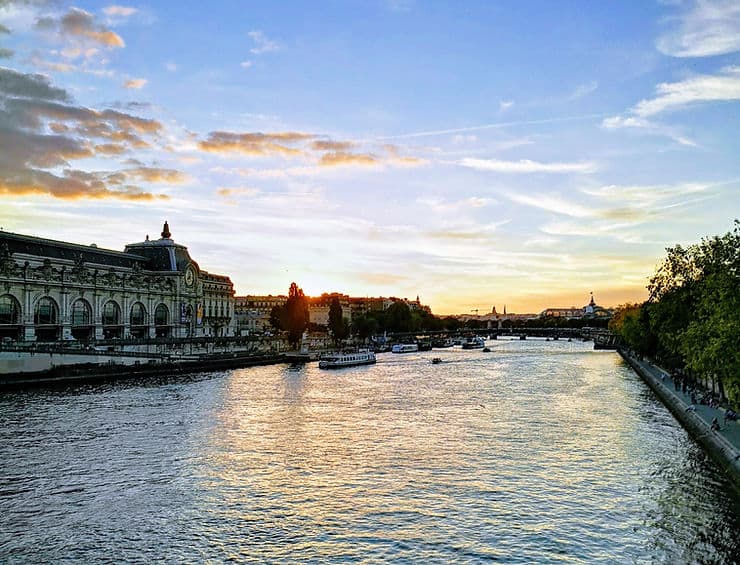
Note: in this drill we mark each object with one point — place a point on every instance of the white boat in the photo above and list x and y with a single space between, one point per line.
405 348
351 359
475 342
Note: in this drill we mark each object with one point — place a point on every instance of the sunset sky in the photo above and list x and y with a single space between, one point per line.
473 153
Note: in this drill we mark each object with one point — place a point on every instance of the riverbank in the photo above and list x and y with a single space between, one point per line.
722 445
89 372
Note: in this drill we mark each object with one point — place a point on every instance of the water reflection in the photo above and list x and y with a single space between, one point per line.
535 452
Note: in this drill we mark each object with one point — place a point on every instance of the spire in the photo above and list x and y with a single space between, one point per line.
504 309
166 231
592 303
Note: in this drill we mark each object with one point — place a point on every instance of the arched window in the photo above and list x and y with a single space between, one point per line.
10 310
111 314
46 312
82 320
81 313
161 315
161 321
138 314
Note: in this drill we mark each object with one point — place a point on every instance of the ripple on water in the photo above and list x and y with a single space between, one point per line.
536 452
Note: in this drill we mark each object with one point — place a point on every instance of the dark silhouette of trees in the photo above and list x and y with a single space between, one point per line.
338 325
292 317
398 317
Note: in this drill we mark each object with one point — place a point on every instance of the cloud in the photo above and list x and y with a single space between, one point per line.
553 204
81 24
71 185
120 11
342 158
619 122
722 87
264 45
135 83
707 28
171 67
4 29
13 83
526 166
253 143
155 174
42 131
6 53
237 191
504 105
702 88
110 149
583 90
395 157
245 64
328 145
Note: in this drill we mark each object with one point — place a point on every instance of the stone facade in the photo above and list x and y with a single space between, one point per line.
52 290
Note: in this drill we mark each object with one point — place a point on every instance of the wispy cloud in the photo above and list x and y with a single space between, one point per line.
702 88
583 90
230 192
647 126
245 64
499 125
553 204
263 44
504 105
708 27
120 11
526 166
722 87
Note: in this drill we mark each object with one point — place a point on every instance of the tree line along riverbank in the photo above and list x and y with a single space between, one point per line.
690 323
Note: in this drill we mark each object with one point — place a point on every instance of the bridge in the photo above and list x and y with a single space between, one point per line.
602 338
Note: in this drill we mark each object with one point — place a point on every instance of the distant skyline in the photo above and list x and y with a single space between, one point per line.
475 153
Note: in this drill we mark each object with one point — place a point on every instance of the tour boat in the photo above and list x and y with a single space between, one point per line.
345 359
405 348
474 342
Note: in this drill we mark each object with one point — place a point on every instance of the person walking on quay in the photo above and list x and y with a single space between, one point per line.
715 425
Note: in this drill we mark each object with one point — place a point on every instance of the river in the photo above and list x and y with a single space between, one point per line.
535 452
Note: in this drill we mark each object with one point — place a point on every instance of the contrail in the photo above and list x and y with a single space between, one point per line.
493 126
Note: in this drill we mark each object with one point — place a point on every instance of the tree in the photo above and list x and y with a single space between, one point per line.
277 317
338 326
365 325
398 317
296 314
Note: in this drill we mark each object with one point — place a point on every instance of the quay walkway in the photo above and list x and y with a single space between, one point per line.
723 445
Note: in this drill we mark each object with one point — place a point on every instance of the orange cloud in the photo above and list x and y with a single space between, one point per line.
332 145
155 174
341 158
110 149
253 143
80 23
74 185
135 83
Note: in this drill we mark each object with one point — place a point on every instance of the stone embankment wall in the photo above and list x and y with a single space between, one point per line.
720 448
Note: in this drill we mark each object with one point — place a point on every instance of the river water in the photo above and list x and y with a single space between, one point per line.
536 452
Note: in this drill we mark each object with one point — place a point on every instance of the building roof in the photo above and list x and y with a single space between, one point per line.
52 249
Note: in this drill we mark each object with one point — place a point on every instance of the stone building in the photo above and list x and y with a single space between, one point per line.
252 312
53 290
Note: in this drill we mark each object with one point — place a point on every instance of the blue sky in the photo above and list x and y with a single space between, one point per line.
476 154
